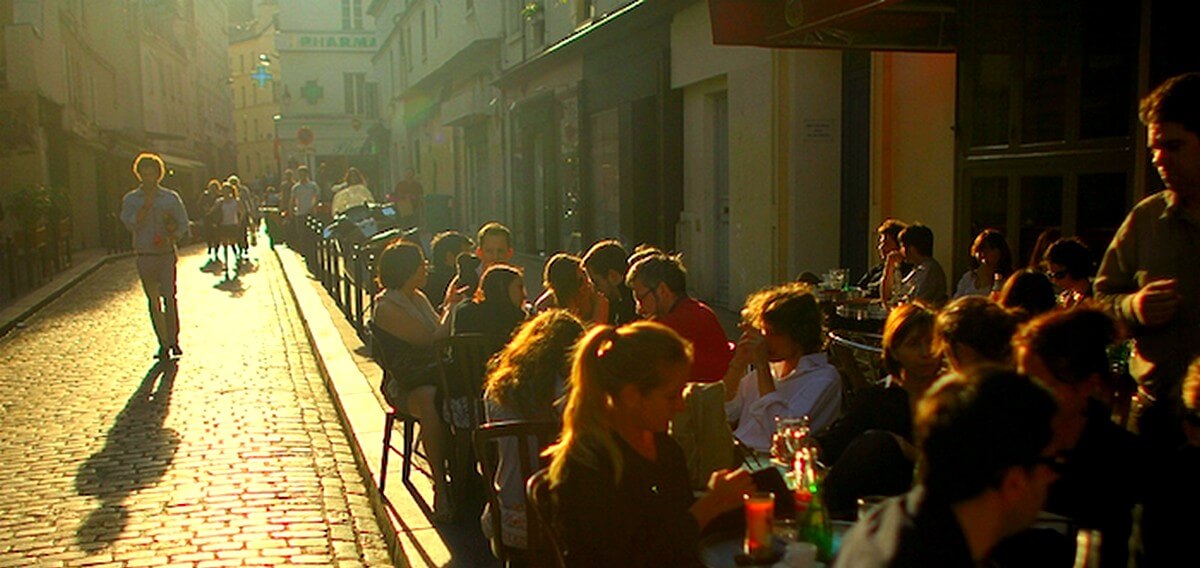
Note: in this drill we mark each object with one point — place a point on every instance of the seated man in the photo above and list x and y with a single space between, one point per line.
659 284
987 457
926 281
494 245
973 331
606 266
792 377
889 240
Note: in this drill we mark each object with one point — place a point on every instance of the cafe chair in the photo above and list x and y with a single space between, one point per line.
391 416
462 364
524 441
544 545
461 370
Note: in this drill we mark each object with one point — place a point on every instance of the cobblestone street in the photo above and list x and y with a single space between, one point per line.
233 456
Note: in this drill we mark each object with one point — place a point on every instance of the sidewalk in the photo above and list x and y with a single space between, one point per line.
353 379
83 263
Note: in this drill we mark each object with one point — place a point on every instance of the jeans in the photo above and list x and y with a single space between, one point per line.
157 272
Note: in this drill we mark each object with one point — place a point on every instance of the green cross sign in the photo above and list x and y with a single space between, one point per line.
261 75
312 92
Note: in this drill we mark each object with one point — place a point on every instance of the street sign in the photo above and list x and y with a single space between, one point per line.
305 136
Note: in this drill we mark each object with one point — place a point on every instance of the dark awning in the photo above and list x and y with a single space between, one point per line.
882 25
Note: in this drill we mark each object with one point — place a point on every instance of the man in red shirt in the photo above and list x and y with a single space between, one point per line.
659 284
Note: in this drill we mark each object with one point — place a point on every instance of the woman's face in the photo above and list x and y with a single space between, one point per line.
916 356
1060 277
654 410
986 255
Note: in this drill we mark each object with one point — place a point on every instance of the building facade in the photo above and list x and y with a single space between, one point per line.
329 97
254 82
84 86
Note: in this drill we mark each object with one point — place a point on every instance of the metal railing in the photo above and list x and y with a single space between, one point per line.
345 275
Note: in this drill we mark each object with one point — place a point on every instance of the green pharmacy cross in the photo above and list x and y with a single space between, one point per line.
261 75
312 92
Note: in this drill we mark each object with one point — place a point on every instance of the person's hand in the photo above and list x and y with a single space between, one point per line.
456 296
1156 303
726 488
749 347
894 258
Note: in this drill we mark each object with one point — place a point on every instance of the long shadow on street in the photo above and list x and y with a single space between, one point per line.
136 454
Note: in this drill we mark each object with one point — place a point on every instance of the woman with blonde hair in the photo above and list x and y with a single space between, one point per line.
525 382
621 483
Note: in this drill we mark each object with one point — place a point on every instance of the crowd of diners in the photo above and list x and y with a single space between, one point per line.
1002 398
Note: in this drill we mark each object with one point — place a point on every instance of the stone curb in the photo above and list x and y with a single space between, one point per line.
359 409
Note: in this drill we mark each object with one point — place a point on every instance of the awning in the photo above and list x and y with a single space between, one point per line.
880 25
173 161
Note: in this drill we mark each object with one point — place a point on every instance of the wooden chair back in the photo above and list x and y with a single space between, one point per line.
491 439
545 546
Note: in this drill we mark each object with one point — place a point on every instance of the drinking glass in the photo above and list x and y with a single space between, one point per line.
791 434
760 518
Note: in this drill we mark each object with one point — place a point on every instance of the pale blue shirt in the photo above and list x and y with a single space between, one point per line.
814 389
151 234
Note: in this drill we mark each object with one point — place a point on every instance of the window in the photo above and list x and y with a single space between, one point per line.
242 63
408 52
243 97
372 100
470 6
424 39
514 19
435 20
584 12
352 18
355 88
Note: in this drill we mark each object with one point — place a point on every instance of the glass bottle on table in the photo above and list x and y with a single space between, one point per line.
790 435
812 519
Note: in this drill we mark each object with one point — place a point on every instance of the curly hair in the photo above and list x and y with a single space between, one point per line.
791 309
522 376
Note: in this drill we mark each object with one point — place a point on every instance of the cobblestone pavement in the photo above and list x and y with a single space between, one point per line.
232 457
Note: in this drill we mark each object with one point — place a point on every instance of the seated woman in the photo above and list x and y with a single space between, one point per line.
972 331
525 382
1070 266
569 288
620 482
783 339
1028 293
867 447
408 326
499 303
991 262
1067 352
909 357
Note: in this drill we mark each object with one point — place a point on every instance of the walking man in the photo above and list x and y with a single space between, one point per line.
157 218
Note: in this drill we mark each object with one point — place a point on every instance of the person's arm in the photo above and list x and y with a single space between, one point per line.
726 489
1117 287
890 275
131 211
744 354
184 224
402 325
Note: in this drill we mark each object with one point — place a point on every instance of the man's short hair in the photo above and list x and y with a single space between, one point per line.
892 228
643 251
301 169
660 268
606 255
978 323
494 229
149 157
1176 100
970 429
791 309
918 236
448 242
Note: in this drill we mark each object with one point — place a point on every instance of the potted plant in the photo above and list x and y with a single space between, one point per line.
27 204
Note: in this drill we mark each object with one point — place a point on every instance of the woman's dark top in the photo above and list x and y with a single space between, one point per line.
489 318
882 407
643 520
408 366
